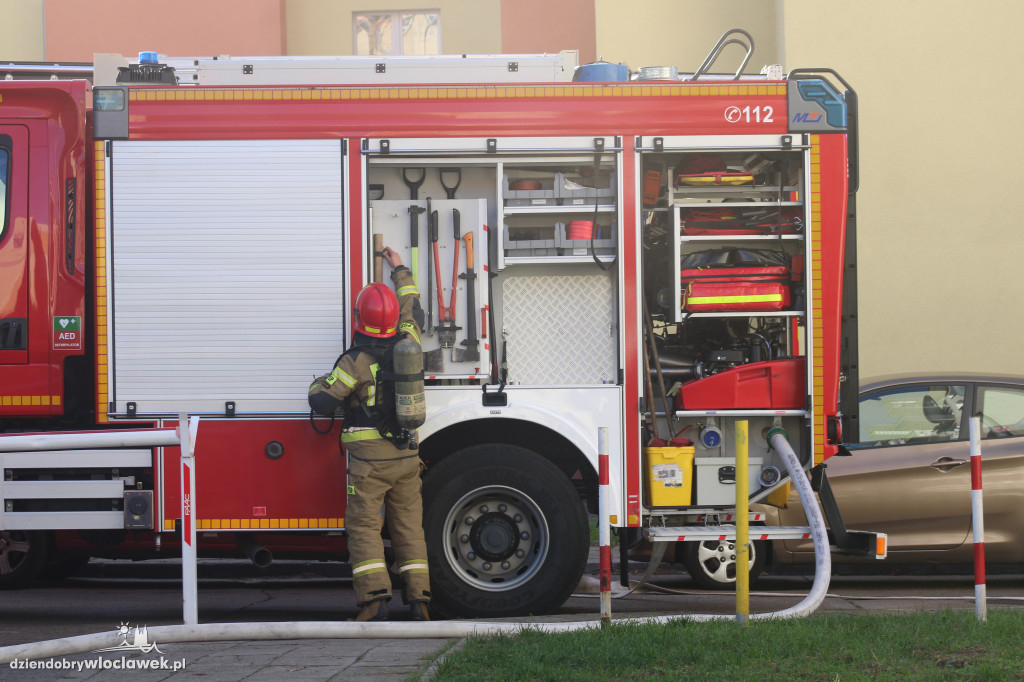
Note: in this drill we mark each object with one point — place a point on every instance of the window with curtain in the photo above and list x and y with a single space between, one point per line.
399 32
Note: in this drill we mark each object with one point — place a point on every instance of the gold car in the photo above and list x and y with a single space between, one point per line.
909 476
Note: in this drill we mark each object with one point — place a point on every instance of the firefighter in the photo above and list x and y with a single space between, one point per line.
383 465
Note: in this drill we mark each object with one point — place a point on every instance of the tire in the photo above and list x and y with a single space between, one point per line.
506 533
22 555
712 564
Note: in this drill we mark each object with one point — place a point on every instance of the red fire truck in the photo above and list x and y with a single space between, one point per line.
657 253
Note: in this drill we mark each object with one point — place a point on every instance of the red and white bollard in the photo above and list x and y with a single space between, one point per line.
978 521
603 525
189 579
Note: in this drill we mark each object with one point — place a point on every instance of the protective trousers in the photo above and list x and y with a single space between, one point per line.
395 484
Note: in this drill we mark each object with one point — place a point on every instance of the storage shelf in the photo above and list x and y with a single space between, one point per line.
730 190
742 413
712 533
548 260
740 237
561 197
702 203
749 313
531 210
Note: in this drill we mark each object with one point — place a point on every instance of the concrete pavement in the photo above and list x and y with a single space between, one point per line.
414 659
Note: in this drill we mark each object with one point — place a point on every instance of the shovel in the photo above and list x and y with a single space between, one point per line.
414 185
450 189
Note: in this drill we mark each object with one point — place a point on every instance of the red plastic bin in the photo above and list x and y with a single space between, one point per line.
768 385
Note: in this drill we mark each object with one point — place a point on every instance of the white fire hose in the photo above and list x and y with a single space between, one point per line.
218 632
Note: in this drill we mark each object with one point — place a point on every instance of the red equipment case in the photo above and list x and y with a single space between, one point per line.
725 289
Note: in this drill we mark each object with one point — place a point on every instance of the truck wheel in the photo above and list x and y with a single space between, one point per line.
712 564
506 533
22 556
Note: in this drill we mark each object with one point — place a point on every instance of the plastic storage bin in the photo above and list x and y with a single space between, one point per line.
771 384
669 476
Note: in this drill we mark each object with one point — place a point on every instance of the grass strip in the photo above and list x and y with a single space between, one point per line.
941 645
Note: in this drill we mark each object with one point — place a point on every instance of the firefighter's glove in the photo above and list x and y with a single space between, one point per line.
319 384
322 402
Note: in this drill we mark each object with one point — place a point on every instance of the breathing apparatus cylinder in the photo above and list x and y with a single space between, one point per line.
410 403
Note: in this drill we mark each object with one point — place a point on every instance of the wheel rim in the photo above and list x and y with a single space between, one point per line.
496 538
13 551
718 560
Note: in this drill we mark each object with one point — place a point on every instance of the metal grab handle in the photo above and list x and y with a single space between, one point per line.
720 45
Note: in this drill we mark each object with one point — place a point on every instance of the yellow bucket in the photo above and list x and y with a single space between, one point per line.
669 476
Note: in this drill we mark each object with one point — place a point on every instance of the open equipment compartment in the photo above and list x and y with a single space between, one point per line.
544 270
725 226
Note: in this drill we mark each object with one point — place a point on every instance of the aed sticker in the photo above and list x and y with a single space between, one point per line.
669 475
67 333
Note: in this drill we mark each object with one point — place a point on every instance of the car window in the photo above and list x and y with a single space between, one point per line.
1002 411
911 414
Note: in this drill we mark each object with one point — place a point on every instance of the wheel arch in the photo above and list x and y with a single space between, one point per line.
565 453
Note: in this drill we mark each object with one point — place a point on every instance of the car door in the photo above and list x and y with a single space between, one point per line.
1001 407
910 476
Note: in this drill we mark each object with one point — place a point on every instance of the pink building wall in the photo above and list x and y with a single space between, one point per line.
76 29
529 26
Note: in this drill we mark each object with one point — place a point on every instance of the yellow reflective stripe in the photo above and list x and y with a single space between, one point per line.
343 377
418 566
407 290
371 391
380 330
355 436
757 298
410 329
369 567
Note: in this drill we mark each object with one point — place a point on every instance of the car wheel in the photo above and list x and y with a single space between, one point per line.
22 556
506 533
712 564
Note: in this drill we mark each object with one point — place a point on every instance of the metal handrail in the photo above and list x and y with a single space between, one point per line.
720 45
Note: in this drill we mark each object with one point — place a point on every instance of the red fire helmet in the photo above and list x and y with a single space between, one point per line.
376 311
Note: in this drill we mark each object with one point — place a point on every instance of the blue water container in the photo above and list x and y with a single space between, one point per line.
601 72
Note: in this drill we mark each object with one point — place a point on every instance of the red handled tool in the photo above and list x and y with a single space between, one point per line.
446 314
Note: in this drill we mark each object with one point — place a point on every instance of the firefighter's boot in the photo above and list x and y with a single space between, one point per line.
418 609
373 611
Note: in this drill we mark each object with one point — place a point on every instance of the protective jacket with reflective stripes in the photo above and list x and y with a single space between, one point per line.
353 383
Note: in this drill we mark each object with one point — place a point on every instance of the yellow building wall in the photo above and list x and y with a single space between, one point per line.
76 30
21 31
681 33
324 27
941 232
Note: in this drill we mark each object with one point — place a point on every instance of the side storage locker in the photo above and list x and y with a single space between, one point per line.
228 273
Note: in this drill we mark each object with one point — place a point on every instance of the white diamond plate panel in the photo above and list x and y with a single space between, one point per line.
560 329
